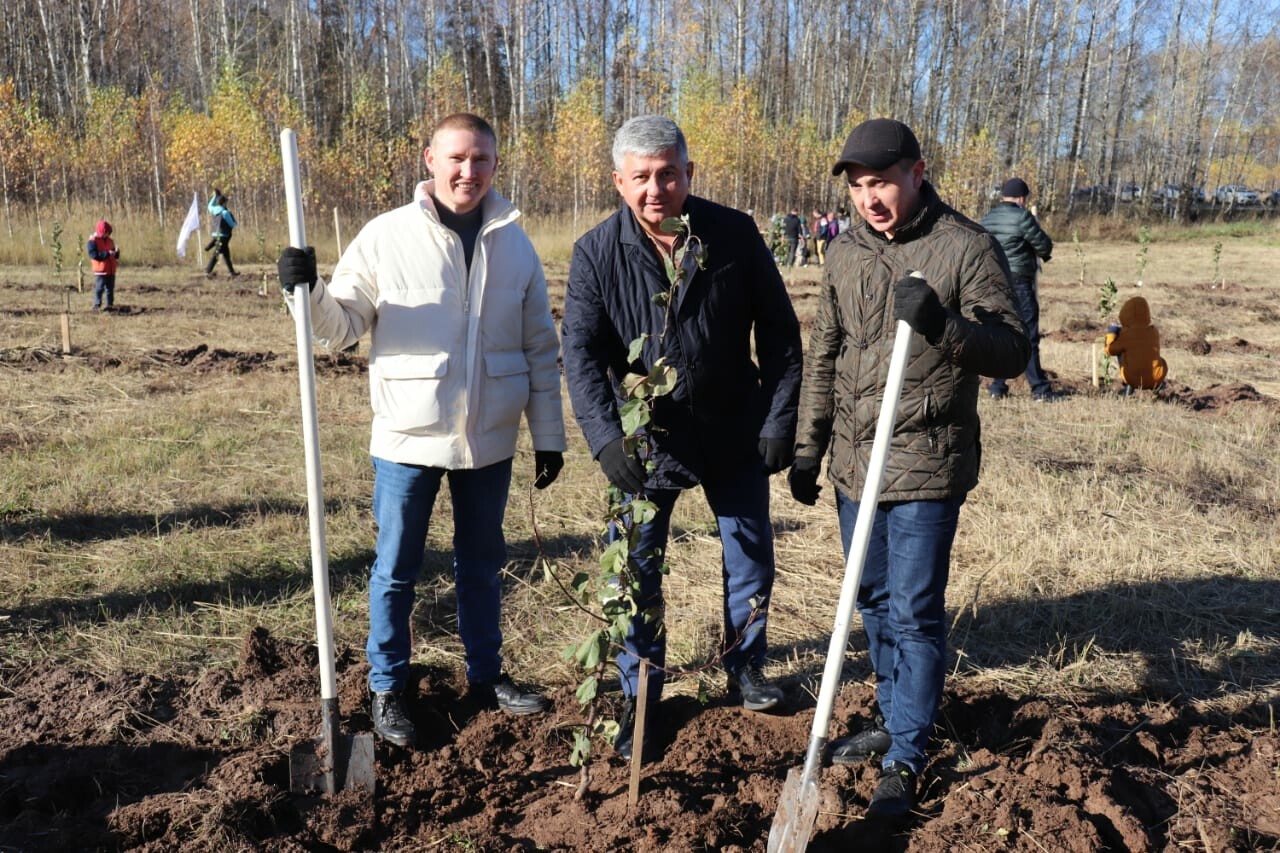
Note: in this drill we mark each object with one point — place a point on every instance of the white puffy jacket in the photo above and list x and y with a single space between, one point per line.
454 358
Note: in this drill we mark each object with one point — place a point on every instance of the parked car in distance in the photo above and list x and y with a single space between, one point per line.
1272 199
1172 192
1235 194
1092 193
1128 192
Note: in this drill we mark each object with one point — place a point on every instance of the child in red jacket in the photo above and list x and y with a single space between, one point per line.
1136 344
105 256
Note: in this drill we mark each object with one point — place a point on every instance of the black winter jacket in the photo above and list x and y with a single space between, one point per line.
935 450
723 401
1021 237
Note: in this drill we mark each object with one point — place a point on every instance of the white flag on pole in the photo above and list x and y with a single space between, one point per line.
189 225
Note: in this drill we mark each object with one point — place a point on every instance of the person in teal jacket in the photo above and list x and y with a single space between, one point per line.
223 226
1024 243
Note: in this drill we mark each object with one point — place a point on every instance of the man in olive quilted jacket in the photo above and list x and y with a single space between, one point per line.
965 327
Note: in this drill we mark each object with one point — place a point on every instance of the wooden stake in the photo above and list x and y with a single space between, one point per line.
337 229
1093 363
637 754
66 325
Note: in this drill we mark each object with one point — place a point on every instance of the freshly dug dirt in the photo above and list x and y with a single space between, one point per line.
137 763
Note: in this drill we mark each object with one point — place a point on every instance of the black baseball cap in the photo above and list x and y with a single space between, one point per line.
877 143
1015 188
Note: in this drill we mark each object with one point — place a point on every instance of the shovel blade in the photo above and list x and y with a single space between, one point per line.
796 815
348 766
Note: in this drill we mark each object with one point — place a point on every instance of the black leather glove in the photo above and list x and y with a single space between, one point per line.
803 480
297 266
777 453
916 302
546 467
621 467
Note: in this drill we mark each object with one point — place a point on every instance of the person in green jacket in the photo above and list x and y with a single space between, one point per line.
1023 241
223 226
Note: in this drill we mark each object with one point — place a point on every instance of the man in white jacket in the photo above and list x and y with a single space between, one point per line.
462 344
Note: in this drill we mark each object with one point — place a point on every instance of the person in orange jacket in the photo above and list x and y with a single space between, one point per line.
105 256
1136 344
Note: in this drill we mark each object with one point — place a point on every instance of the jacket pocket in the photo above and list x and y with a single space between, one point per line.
405 391
505 391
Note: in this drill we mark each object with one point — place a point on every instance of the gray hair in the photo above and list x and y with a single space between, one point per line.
648 136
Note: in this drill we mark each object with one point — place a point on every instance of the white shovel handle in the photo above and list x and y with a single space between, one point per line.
858 546
310 431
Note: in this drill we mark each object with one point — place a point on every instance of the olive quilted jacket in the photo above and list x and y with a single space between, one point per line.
935 450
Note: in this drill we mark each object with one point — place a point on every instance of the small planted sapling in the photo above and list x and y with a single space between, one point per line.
612 597
55 241
1144 246
1108 296
1075 241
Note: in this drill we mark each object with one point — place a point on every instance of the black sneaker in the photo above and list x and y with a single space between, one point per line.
509 697
997 395
895 795
1046 397
757 694
390 722
868 743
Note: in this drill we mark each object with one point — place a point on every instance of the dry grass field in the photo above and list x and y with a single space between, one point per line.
1118 549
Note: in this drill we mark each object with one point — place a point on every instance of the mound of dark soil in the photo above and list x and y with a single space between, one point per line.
137 763
199 359
1215 398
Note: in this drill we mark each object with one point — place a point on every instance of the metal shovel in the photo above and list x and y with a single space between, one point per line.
332 762
798 804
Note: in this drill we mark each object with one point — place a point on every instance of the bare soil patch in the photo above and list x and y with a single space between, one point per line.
135 762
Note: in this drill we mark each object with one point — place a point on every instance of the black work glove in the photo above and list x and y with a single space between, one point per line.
803 480
546 467
915 302
297 266
777 453
621 467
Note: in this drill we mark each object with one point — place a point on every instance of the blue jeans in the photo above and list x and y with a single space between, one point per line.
741 506
902 602
403 497
104 290
1024 291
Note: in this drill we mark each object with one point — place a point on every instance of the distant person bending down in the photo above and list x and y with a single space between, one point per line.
1023 241
1135 343
463 348
105 256
223 225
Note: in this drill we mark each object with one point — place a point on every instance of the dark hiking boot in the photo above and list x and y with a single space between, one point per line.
507 696
624 746
895 795
390 722
757 694
868 743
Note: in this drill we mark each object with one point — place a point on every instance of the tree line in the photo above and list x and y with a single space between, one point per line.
133 104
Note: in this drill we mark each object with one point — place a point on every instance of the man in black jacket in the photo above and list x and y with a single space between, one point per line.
1023 241
730 420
